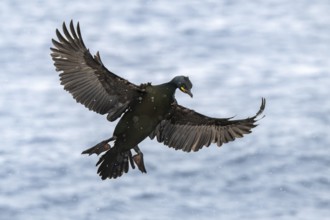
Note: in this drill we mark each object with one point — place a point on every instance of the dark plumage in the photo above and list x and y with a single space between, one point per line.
145 110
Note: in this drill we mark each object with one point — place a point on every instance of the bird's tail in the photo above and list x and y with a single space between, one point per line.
114 164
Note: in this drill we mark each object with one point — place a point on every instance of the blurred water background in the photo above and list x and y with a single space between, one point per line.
235 52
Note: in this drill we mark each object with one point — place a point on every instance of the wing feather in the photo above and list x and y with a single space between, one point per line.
190 131
86 78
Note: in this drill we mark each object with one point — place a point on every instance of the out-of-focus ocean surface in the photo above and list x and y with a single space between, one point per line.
234 52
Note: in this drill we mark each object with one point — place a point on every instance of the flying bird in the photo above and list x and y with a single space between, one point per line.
144 110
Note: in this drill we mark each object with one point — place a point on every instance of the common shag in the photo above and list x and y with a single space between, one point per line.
144 111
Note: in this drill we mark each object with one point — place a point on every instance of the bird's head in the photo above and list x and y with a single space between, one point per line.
183 83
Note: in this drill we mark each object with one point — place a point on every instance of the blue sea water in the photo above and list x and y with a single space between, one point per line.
234 52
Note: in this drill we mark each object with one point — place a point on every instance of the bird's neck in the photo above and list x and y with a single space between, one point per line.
170 87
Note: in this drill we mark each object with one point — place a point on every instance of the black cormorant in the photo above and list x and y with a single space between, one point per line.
146 110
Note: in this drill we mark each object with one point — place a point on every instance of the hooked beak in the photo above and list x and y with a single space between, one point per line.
189 93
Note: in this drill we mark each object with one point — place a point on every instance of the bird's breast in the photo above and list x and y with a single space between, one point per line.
154 106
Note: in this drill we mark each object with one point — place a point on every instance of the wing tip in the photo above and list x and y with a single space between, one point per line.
261 109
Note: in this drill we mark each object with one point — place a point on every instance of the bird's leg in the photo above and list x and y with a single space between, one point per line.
138 159
131 159
100 147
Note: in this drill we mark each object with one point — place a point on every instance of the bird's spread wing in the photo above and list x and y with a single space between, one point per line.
188 130
87 79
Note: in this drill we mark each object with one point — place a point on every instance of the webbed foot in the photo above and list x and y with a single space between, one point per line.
99 148
138 159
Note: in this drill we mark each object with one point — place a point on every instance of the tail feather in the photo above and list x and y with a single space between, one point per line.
114 164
